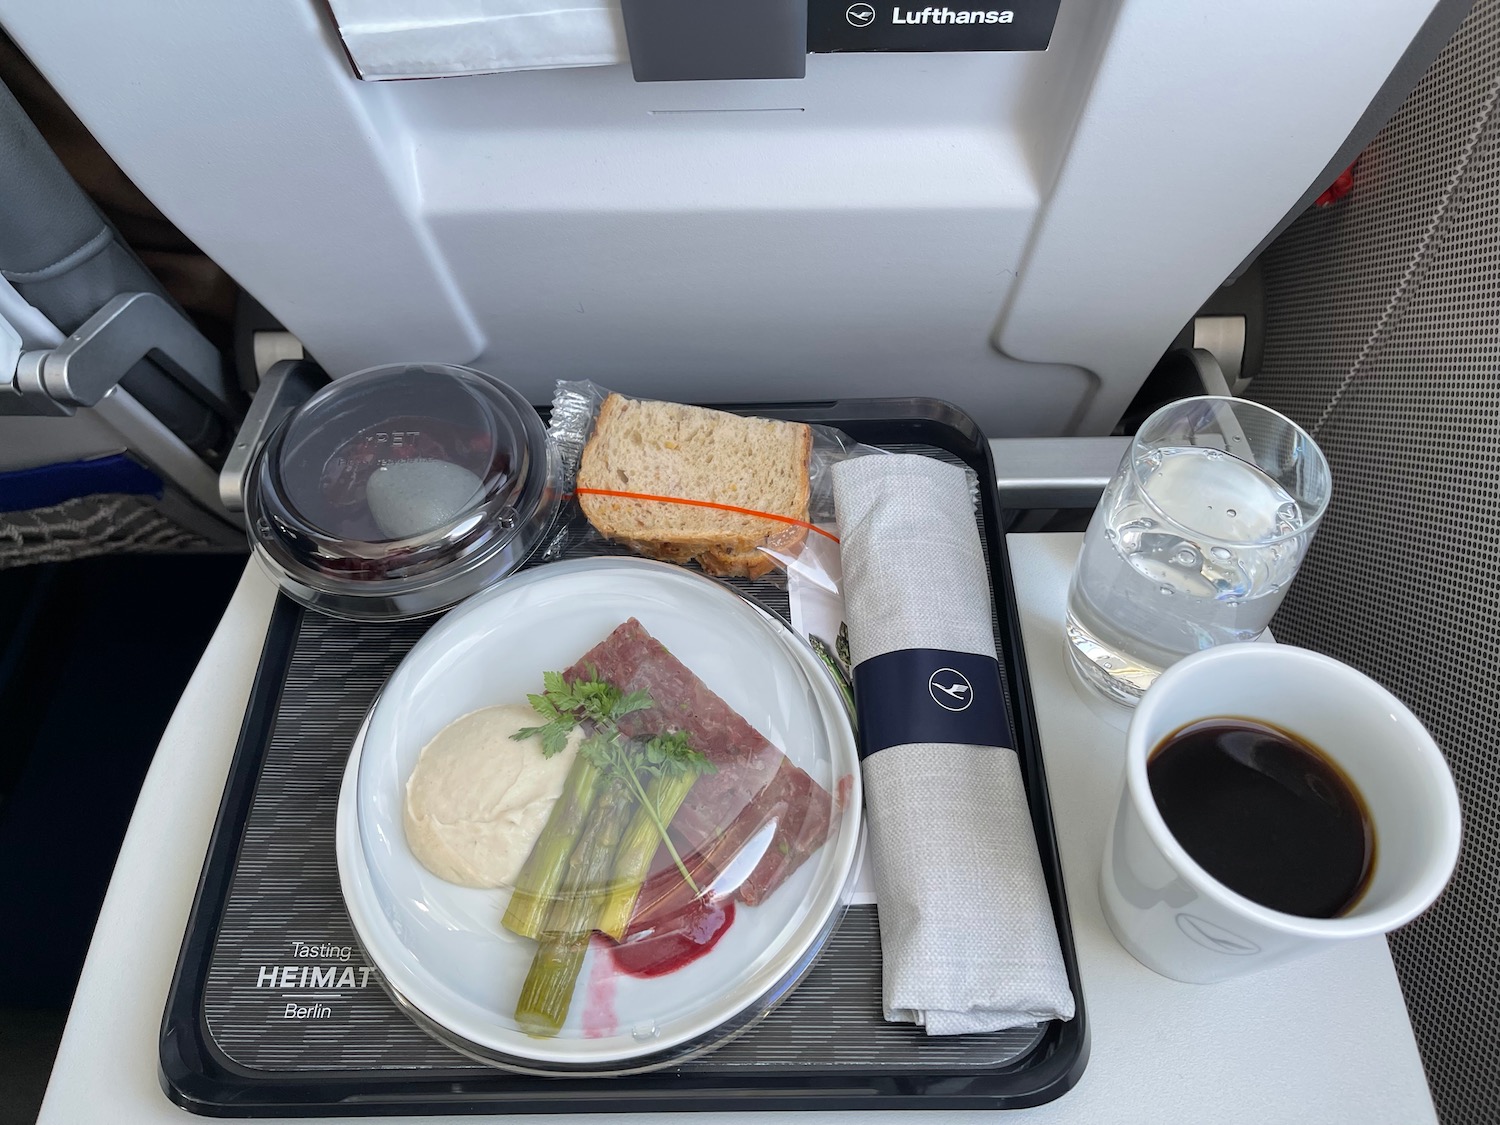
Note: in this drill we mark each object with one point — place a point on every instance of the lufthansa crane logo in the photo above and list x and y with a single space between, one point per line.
950 689
860 15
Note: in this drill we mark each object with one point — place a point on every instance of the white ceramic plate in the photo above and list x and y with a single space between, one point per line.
440 947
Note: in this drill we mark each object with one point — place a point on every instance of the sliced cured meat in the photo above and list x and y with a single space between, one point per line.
788 809
756 784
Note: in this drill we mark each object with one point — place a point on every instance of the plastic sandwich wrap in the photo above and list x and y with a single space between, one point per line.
739 496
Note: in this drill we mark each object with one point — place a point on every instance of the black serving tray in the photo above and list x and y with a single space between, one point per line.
242 1038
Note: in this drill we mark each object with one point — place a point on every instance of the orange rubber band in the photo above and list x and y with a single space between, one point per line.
706 504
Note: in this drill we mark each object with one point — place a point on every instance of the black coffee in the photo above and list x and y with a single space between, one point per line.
1266 814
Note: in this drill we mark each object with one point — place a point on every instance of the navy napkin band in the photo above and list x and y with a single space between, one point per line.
929 695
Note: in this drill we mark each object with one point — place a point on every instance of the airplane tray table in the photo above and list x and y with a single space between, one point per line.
274 1011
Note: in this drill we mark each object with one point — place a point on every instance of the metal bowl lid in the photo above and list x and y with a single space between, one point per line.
397 491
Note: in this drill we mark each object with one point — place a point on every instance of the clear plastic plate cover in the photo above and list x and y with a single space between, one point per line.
400 490
441 948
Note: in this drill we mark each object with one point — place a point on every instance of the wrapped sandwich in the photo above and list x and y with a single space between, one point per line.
736 495
741 484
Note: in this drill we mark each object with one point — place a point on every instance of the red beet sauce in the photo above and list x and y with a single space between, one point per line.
664 943
599 1000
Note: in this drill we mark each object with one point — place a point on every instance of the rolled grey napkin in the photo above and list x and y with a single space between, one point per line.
966 925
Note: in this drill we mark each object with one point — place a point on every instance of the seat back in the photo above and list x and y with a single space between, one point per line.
1383 337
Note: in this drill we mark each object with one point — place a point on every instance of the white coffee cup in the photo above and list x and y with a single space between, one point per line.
1176 918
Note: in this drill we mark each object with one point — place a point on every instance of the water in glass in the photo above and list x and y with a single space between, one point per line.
1193 548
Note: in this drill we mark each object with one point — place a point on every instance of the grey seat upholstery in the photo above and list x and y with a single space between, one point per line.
61 262
63 256
1383 335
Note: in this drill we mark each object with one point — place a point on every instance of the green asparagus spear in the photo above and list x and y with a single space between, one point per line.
636 763
560 903
548 990
543 870
598 705
633 861
595 704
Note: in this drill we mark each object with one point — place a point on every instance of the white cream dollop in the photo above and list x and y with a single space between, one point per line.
478 798
407 498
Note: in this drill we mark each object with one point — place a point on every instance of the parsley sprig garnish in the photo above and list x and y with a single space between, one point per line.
565 705
598 706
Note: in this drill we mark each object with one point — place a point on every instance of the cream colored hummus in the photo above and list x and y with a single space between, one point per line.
478 798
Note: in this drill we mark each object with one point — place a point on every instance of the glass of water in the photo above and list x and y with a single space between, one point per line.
1194 541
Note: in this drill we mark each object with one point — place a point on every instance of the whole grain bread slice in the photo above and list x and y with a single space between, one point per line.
688 452
755 562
